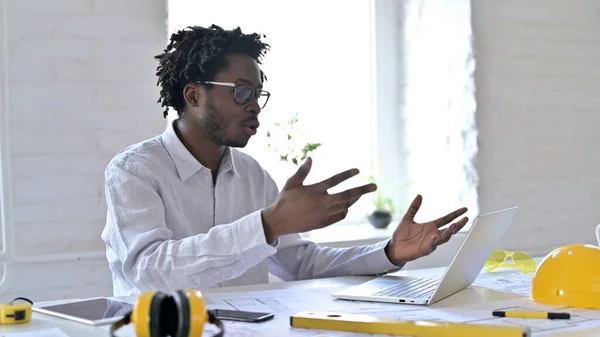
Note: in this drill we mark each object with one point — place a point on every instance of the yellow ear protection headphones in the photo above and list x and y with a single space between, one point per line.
12 313
156 314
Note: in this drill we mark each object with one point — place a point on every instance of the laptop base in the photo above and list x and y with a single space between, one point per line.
392 289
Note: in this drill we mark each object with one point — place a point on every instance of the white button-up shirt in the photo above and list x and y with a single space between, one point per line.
169 227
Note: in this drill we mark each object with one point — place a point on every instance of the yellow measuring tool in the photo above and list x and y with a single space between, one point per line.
376 325
15 313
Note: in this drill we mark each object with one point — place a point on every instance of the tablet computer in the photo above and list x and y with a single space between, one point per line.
94 311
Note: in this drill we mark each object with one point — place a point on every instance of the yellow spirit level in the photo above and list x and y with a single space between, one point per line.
388 326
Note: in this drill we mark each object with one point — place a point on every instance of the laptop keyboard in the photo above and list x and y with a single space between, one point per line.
410 288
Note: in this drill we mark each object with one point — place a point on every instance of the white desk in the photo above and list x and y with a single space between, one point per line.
471 295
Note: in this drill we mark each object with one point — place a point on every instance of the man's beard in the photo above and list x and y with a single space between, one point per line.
212 122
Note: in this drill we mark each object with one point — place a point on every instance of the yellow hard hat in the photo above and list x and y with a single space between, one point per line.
569 276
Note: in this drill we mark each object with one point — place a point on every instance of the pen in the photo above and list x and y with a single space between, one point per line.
532 314
390 326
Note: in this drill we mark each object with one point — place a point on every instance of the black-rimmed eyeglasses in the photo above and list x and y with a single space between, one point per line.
243 93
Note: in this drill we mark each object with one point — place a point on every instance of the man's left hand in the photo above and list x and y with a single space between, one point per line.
413 240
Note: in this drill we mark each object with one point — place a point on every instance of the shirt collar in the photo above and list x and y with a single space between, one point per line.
185 162
227 162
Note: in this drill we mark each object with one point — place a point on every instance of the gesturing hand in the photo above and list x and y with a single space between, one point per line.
412 240
301 208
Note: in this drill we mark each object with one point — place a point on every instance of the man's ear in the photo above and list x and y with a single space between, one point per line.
192 94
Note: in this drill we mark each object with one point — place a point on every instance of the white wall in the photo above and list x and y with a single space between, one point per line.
80 85
538 79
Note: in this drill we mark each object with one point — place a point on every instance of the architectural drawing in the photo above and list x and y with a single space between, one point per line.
511 282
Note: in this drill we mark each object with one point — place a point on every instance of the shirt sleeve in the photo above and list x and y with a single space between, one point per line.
299 259
151 259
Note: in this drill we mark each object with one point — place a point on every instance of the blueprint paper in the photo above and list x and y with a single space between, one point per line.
286 302
512 282
581 319
52 332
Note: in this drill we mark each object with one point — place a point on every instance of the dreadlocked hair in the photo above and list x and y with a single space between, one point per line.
197 54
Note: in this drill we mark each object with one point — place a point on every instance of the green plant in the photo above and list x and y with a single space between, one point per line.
381 202
289 142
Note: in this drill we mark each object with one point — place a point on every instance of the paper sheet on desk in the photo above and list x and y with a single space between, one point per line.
515 282
287 302
291 301
52 332
581 319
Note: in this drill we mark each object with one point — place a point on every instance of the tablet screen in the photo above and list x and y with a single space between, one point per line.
92 311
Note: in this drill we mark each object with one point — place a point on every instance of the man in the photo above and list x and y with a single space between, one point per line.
188 210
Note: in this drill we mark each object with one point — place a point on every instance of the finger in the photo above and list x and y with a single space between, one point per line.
352 194
443 221
460 224
337 209
429 245
446 234
413 208
337 179
341 207
352 202
335 218
298 178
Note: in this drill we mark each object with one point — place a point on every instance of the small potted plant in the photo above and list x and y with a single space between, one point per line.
384 209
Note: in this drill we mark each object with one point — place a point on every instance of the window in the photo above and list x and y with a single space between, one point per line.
386 87
439 111
7 248
318 67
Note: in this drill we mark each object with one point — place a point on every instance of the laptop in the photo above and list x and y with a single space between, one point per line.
464 268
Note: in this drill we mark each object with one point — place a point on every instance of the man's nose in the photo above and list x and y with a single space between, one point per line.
253 106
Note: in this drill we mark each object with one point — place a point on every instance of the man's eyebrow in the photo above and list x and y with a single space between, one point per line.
248 82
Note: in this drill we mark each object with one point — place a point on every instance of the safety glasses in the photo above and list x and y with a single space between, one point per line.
521 261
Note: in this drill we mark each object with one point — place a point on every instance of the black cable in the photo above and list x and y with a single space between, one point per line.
24 299
125 320
213 320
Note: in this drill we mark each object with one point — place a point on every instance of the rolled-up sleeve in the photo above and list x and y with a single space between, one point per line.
152 260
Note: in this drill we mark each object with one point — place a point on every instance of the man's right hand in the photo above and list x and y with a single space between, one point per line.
301 208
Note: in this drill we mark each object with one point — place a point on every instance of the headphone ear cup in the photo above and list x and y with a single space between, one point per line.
198 313
144 314
161 315
183 314
156 314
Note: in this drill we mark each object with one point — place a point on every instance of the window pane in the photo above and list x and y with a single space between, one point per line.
318 67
